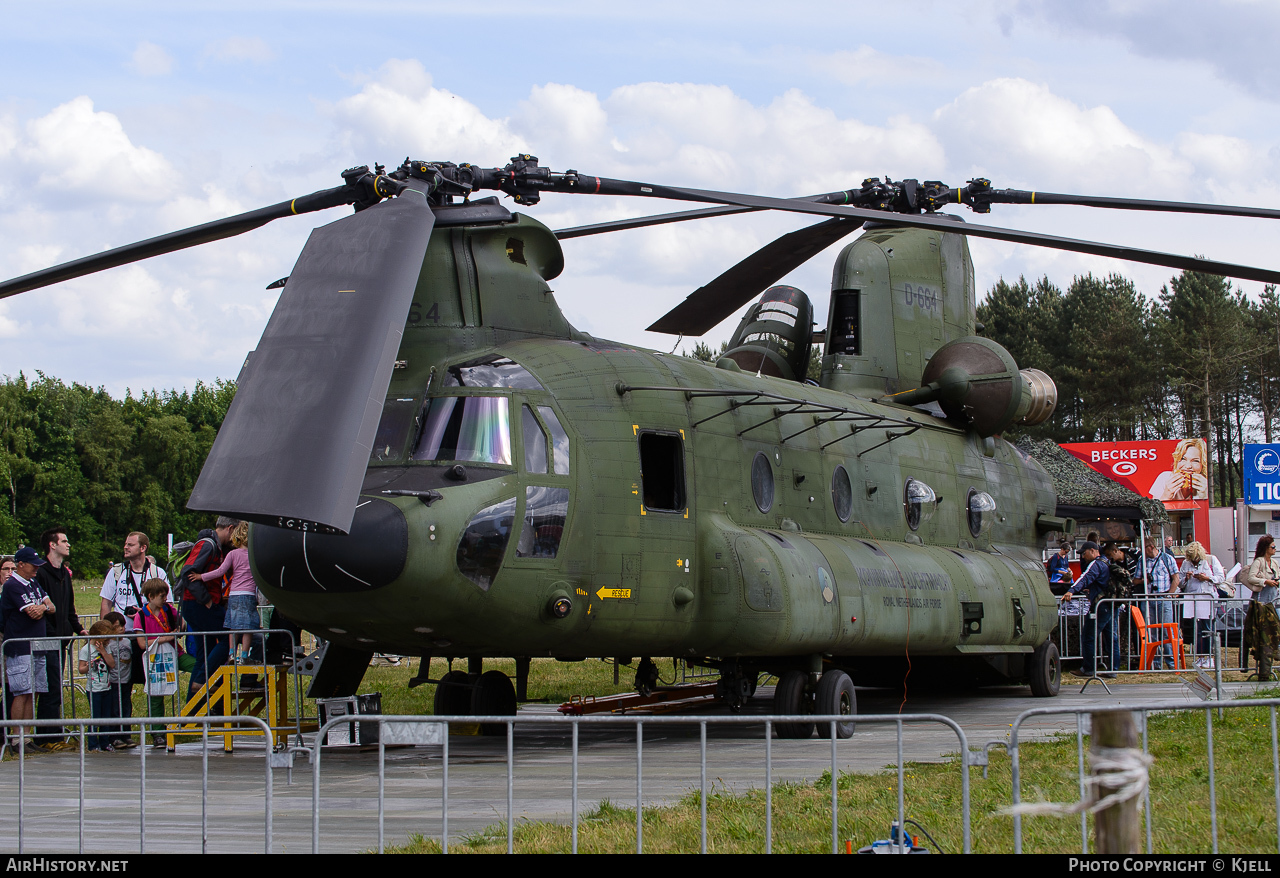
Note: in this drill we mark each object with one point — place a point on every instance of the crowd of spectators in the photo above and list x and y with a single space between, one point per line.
147 631
1164 592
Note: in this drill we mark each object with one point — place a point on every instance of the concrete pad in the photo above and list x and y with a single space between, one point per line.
736 757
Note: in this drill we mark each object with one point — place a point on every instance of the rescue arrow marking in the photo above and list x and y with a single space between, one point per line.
605 593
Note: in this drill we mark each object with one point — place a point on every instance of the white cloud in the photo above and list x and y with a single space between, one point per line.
402 111
865 65
148 59
78 150
8 135
707 135
233 49
1020 133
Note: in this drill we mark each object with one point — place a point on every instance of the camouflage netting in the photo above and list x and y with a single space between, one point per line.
1078 485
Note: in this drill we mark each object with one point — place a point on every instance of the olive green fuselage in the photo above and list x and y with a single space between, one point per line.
699 571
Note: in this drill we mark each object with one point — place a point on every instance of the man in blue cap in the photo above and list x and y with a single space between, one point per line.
23 605
1095 580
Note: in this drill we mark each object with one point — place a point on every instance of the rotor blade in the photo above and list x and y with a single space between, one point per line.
296 441
202 234
1114 251
710 304
641 222
1023 196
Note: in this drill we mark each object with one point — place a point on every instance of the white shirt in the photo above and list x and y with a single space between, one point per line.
120 584
1200 608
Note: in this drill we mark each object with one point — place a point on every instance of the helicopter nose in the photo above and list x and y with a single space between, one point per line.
372 555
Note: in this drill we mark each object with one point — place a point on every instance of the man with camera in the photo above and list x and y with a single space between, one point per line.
122 587
122 593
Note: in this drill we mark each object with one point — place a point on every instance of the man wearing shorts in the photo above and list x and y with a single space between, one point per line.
23 605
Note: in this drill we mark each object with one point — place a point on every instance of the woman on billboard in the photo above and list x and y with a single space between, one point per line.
1186 481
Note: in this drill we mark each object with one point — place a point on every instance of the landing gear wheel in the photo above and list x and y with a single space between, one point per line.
494 695
836 696
1044 671
453 694
789 699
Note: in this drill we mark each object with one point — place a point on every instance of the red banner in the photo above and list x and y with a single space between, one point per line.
1170 470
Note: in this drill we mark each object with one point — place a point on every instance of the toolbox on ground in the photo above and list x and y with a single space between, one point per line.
347 734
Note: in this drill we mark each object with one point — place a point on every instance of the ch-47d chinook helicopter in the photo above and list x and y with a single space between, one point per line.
438 464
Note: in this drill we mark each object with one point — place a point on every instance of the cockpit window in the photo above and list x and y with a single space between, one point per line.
491 372
398 422
475 429
545 510
559 442
535 443
484 542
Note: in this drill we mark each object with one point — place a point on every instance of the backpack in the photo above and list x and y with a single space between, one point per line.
180 564
1119 582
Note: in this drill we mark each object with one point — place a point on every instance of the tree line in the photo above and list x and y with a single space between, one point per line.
73 457
1199 359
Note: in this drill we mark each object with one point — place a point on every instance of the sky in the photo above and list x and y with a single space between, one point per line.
127 120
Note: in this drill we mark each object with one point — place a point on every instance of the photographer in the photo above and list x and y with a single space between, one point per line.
122 587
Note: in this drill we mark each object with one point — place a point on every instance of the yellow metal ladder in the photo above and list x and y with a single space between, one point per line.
223 695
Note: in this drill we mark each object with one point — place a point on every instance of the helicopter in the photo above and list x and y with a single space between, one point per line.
436 463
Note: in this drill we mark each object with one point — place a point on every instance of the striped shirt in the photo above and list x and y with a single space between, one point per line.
1160 571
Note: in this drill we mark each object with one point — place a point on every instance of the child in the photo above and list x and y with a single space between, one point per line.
242 594
96 662
120 678
158 617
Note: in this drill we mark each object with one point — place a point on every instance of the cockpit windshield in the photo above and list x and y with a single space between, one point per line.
398 420
491 372
473 429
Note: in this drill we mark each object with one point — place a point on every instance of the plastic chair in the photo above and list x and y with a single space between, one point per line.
1173 638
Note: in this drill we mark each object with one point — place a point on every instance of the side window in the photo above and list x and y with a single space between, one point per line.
662 471
535 442
545 510
399 418
559 441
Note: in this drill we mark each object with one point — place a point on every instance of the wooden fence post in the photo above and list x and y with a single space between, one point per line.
1117 827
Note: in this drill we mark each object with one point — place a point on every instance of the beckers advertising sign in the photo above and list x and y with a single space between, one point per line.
1170 470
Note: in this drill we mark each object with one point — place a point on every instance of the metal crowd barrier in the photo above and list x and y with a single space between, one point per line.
174 702
639 722
204 722
400 729
1226 627
1208 707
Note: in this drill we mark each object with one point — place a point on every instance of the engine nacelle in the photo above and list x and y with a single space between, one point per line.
976 381
774 336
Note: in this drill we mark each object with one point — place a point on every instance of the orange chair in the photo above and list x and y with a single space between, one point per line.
1173 637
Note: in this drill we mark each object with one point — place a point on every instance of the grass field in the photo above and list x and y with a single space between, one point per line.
801 812
867 804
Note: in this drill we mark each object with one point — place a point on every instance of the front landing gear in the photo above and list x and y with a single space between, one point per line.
453 694
489 694
836 696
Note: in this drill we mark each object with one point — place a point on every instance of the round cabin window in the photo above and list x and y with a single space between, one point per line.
982 512
762 482
920 502
842 494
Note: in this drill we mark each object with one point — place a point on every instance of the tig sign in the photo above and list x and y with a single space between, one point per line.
1262 474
